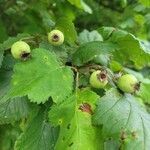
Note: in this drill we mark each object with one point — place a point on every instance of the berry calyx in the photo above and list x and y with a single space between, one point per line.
98 79
85 107
20 50
56 37
128 83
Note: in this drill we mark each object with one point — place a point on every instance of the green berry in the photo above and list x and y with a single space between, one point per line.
20 50
98 79
128 83
56 37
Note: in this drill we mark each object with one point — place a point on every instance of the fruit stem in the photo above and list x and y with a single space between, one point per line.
77 77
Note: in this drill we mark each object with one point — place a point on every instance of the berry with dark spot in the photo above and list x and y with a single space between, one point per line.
20 50
128 83
98 79
56 37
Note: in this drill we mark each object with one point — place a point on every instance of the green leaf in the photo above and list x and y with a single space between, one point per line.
115 66
123 120
86 36
102 59
59 113
38 135
8 136
124 3
5 77
60 51
40 77
81 5
76 3
111 145
145 3
74 118
86 7
67 27
13 110
47 19
89 51
144 91
106 32
8 43
1 57
3 31
8 62
128 48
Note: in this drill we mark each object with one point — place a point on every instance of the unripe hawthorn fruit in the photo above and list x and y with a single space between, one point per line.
98 79
128 83
56 37
20 50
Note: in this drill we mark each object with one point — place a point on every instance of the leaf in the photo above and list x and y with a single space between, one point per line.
8 43
145 3
81 5
8 136
38 135
59 113
8 62
3 31
115 66
5 77
102 59
47 19
67 27
128 48
13 110
89 51
1 57
144 92
124 3
123 120
60 51
76 130
111 145
86 36
41 77
106 32
76 3
86 7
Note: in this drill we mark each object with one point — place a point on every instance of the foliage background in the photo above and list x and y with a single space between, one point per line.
31 20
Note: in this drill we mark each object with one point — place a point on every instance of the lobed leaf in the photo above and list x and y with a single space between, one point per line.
76 3
1 57
41 77
38 135
91 50
11 110
86 36
123 120
76 130
130 49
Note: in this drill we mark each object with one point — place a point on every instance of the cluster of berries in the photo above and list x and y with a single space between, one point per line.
21 50
98 79
127 83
